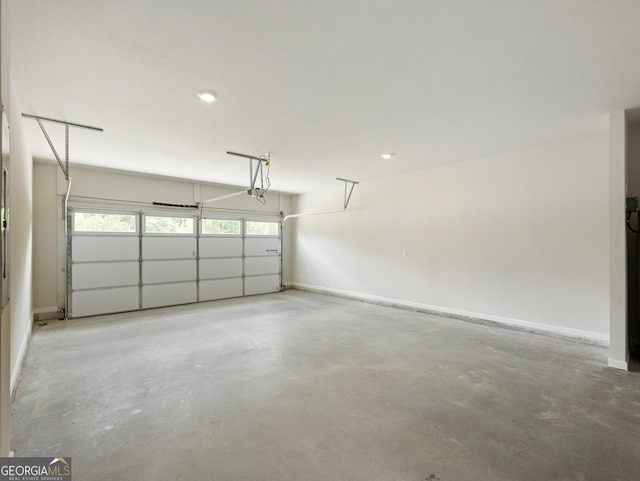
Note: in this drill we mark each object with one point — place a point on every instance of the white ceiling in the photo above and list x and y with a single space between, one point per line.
326 86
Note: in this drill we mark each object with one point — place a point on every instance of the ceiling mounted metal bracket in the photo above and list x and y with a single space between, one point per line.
252 191
63 122
63 165
347 198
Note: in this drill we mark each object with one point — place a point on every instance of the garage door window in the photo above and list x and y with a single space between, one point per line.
104 222
220 227
168 225
262 228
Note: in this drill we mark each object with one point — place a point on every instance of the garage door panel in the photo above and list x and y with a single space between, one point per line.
217 268
220 247
169 294
220 289
105 248
168 247
104 301
262 246
261 284
113 269
168 271
261 265
106 274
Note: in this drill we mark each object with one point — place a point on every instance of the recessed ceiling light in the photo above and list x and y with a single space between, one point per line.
387 156
207 95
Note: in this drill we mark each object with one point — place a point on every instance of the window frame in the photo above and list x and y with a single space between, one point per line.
144 231
249 221
240 221
75 232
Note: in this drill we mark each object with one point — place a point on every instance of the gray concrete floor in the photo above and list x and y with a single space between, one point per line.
298 386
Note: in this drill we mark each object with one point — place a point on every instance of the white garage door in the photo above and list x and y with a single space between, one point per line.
262 257
221 259
103 263
169 261
123 261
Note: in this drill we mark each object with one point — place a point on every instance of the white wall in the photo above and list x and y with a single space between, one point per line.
130 192
45 229
17 315
520 237
20 241
5 320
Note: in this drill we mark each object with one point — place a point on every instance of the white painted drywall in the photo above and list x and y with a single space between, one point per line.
45 229
520 237
18 314
5 315
20 240
129 192
618 351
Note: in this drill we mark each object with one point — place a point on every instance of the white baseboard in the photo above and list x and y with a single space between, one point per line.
45 310
22 355
558 331
623 365
46 314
